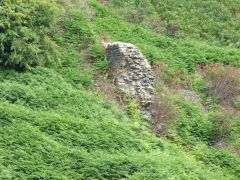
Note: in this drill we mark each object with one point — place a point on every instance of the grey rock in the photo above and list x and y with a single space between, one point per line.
132 73
190 95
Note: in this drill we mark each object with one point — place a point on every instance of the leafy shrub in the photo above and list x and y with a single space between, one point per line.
26 33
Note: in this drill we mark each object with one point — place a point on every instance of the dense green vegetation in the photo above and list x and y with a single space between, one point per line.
26 33
179 53
215 21
55 125
51 130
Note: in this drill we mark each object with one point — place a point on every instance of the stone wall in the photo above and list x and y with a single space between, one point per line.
131 73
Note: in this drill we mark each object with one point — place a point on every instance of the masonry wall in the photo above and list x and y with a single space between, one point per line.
132 73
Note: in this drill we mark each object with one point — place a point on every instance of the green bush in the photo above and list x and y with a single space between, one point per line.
26 30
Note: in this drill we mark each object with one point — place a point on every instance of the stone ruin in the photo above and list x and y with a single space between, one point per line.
132 73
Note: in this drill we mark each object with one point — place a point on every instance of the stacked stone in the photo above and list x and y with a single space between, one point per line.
132 73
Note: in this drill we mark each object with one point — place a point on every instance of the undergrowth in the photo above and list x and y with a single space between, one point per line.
26 33
54 125
49 129
213 22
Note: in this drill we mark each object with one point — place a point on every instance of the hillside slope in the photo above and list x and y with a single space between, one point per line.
51 130
55 125
214 22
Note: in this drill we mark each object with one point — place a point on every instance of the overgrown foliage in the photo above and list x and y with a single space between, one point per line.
224 85
189 124
181 54
215 22
52 128
26 31
163 115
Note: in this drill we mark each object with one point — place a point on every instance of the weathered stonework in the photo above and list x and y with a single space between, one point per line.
132 73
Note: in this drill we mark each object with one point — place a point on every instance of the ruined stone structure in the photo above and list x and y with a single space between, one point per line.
132 73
